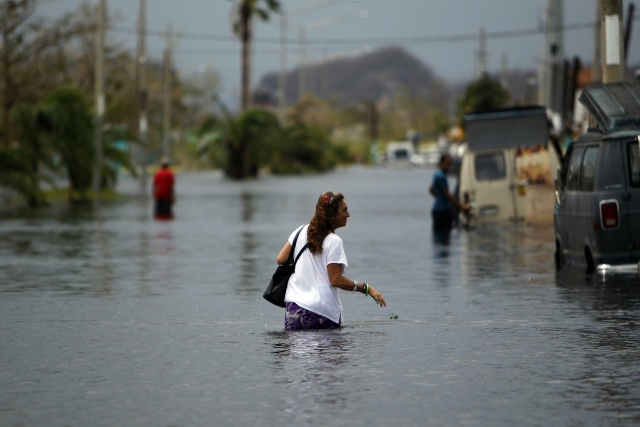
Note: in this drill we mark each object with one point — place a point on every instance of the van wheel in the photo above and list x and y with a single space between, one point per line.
559 256
589 259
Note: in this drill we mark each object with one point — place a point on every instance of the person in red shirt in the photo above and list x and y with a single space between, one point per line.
163 183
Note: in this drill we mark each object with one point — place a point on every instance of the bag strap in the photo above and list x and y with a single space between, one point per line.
293 248
306 245
293 245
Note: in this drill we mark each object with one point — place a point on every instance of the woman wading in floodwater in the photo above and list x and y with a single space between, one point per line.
312 300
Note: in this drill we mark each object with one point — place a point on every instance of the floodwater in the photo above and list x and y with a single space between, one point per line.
111 318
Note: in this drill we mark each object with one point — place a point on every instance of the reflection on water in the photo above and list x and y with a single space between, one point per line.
111 318
248 266
329 376
441 242
311 363
610 309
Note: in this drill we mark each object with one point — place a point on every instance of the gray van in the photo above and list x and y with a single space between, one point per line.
597 210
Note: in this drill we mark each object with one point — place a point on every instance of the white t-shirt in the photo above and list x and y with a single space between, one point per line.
309 286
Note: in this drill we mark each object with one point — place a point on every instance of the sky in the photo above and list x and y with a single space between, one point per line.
443 34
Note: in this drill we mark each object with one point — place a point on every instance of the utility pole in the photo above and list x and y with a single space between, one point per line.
166 98
554 81
481 55
504 70
612 46
373 117
141 65
627 30
99 95
596 63
302 87
282 82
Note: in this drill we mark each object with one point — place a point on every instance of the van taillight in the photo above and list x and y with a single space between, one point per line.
609 214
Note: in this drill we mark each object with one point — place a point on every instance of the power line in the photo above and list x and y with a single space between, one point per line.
346 42
459 38
453 38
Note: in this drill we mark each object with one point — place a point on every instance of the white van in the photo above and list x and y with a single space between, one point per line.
506 150
400 152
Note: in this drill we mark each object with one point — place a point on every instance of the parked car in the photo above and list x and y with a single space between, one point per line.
399 151
597 210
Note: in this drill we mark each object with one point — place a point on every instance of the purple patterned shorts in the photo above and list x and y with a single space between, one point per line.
296 318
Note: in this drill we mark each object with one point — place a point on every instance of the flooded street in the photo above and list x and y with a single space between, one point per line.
111 318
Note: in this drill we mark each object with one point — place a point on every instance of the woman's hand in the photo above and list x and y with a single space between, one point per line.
377 297
338 280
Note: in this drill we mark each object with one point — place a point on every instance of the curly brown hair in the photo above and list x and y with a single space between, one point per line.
322 222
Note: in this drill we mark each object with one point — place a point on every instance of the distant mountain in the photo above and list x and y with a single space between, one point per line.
382 74
348 81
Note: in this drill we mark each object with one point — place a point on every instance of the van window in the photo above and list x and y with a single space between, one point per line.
564 171
588 169
634 164
573 169
490 166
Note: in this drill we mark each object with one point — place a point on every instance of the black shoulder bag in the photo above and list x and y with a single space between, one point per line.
278 285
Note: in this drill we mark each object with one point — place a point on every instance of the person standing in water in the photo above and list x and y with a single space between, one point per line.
442 212
163 191
312 300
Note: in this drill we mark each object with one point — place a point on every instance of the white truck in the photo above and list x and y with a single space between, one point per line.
506 150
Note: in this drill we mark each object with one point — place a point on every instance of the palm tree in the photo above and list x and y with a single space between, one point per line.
67 121
244 14
246 10
56 135
20 166
17 174
483 94
251 136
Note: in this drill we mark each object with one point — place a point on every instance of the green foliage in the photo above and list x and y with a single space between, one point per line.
16 173
22 163
29 52
57 135
247 9
204 144
68 121
114 158
303 149
346 153
262 131
247 141
295 149
484 94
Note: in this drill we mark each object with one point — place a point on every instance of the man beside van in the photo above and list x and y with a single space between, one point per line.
445 205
